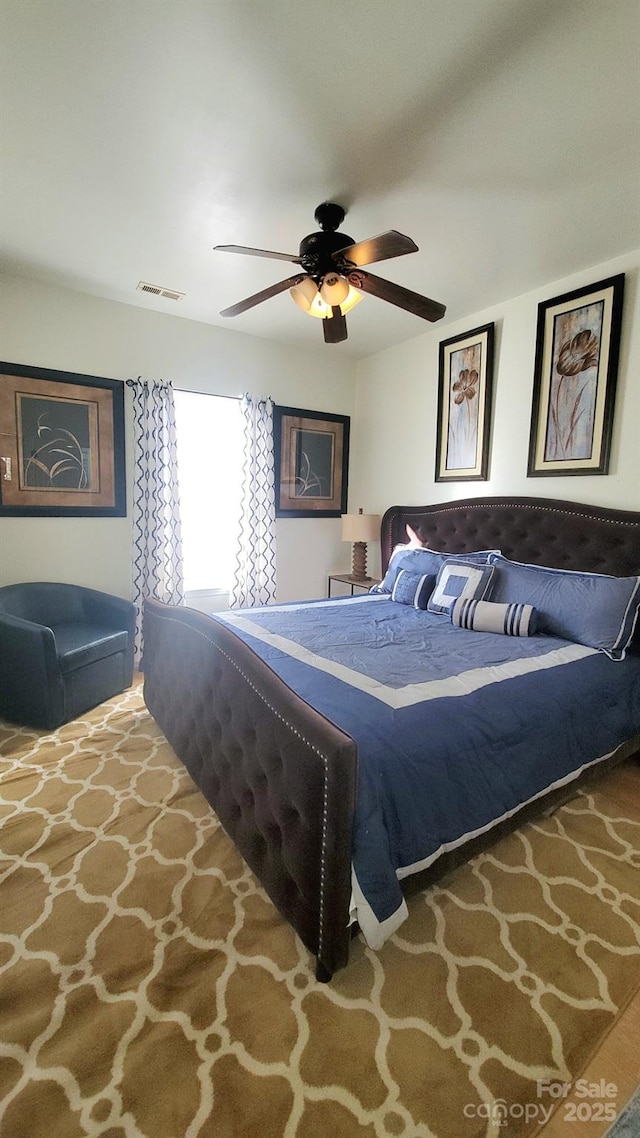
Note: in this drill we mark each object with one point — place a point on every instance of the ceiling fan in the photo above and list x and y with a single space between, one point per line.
334 280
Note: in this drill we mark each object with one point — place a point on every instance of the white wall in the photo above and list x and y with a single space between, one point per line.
394 427
393 407
50 327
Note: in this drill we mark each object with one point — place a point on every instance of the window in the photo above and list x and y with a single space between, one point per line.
209 443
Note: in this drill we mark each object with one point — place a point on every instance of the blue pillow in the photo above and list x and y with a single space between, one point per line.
587 608
425 561
486 616
414 560
413 588
458 578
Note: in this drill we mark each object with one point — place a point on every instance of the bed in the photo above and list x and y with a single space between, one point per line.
353 747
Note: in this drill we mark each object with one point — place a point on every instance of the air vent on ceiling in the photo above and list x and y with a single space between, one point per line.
156 290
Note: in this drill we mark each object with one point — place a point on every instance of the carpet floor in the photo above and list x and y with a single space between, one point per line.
148 988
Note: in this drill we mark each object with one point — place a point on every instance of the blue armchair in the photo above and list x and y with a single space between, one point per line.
63 650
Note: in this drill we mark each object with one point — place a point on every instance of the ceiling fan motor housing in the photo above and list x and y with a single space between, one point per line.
316 252
329 215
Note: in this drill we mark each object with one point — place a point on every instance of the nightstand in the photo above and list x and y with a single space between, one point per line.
354 583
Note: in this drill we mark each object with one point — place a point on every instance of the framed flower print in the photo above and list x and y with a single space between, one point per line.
465 375
575 374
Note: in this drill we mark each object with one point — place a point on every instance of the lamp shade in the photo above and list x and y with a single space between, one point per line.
360 527
353 297
334 289
305 293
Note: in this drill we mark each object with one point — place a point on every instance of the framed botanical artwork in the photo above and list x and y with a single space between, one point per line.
465 384
311 463
574 385
61 444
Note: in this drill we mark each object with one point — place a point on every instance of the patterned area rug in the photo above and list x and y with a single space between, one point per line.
148 989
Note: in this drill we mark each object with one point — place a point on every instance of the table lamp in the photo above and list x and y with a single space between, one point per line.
360 528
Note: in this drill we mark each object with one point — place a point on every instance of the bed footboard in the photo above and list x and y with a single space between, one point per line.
280 777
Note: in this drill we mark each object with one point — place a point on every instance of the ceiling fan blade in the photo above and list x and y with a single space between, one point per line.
266 294
396 294
380 248
334 327
257 253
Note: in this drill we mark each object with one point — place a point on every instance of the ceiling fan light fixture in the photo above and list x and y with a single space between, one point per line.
334 289
320 303
305 294
320 309
353 297
323 311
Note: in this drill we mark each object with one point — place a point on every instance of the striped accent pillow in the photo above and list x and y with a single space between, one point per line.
487 616
413 588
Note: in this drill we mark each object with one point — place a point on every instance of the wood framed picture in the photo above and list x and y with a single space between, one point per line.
574 385
312 463
465 385
61 444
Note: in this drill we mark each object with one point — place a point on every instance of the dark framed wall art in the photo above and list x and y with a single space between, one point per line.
574 385
465 384
311 463
61 444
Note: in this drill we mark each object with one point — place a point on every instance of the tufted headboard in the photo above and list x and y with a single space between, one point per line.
542 531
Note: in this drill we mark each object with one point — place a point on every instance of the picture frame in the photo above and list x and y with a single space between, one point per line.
465 393
311 463
575 377
61 444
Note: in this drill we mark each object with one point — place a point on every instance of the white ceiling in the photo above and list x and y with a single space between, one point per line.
501 135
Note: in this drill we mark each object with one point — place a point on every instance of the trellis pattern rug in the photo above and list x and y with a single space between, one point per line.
148 989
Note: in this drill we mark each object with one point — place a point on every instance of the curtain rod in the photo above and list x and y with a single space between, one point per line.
236 398
190 391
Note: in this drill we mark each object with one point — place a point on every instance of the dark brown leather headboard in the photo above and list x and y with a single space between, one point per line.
541 531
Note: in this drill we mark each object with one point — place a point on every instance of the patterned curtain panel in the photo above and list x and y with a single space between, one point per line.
157 536
255 574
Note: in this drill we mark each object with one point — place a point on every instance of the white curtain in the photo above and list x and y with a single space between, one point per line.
255 573
157 536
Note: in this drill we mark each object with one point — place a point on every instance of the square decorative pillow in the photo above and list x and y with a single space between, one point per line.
594 609
459 579
414 560
425 561
485 616
413 588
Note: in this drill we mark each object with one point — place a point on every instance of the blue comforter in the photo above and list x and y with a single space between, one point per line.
454 729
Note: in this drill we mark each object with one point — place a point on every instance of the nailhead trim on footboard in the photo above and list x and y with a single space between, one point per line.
280 777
